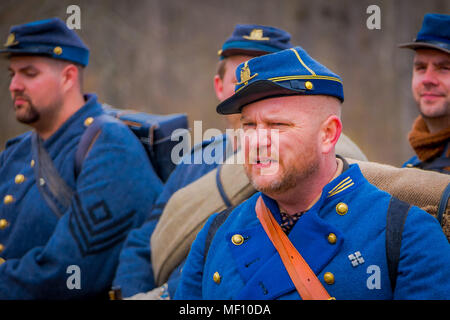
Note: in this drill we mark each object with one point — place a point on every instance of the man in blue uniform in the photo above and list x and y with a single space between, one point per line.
134 273
430 134
62 227
332 218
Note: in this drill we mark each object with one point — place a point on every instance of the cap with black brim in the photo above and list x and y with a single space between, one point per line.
284 73
426 45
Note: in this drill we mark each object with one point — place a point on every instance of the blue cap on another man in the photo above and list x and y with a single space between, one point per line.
255 40
288 72
434 34
49 37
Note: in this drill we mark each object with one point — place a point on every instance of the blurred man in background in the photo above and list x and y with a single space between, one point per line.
62 227
430 134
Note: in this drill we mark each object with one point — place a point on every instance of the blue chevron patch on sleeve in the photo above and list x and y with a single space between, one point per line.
95 229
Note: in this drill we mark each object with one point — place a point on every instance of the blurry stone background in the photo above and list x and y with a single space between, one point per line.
160 56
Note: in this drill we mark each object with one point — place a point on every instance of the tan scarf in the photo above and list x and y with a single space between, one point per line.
428 145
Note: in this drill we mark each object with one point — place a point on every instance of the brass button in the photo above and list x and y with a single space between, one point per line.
32 162
8 199
58 51
216 277
19 179
332 238
2 261
3 223
341 208
2 247
328 277
88 121
237 239
308 85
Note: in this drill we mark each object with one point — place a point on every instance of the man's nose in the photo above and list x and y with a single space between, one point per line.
16 84
260 136
259 140
430 77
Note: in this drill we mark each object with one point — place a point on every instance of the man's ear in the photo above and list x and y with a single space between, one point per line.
330 131
69 77
218 87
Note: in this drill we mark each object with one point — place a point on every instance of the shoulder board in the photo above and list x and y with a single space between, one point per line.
412 162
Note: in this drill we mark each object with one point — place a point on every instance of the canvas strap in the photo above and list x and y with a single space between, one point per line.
306 282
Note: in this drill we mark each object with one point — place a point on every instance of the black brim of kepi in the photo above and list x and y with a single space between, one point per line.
258 90
21 51
423 45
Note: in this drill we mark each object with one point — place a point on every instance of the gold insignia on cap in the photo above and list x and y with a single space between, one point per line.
11 40
246 74
219 52
57 50
308 85
256 34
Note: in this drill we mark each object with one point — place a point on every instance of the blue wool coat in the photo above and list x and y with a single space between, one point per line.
135 273
353 263
113 192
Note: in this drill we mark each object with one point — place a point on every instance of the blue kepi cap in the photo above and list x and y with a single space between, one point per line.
49 37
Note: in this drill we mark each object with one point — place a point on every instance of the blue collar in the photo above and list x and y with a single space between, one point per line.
75 124
346 182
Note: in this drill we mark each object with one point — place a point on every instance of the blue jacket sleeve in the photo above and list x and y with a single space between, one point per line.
115 189
134 273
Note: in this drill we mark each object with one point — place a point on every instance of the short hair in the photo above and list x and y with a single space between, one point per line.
221 68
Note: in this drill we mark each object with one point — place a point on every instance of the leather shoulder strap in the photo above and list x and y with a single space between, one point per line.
55 191
306 282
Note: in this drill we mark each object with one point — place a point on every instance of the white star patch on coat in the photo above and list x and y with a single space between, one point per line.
356 258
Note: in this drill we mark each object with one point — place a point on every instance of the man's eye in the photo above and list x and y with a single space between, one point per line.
248 125
419 68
